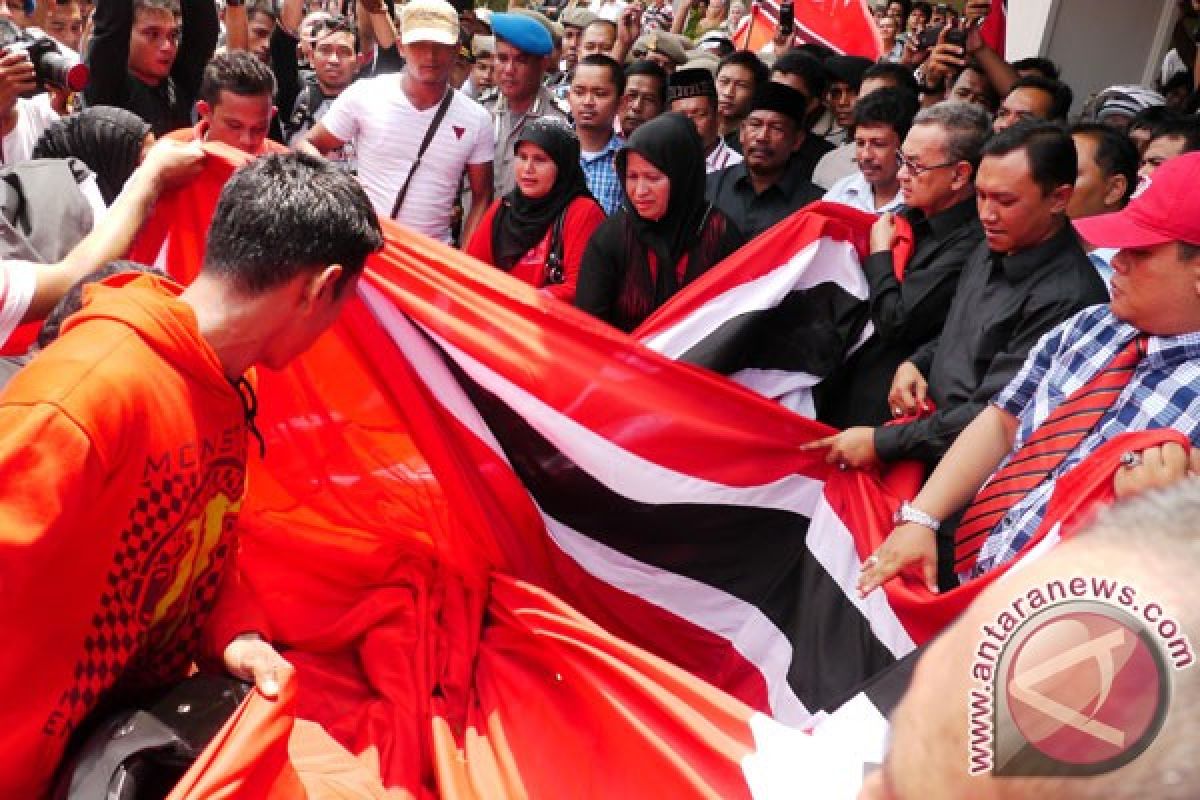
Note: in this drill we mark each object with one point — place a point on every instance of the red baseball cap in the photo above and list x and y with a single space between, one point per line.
1166 208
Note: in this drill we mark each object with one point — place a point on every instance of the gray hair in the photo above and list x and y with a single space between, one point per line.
967 127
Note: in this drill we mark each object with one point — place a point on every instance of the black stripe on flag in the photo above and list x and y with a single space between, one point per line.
811 331
756 554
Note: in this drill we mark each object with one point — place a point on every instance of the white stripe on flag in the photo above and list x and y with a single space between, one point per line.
825 260
832 544
790 389
743 625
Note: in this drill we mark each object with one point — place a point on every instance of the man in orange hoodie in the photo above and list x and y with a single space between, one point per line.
123 461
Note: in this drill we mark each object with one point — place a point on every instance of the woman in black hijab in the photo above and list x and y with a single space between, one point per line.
664 221
110 141
539 230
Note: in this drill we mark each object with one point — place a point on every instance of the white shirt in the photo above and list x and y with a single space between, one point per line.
607 9
721 157
854 191
376 116
18 279
34 115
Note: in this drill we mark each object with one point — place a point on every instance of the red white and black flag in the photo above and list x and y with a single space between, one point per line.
514 552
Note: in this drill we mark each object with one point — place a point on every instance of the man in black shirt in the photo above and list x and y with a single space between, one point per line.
1028 275
766 187
937 176
148 56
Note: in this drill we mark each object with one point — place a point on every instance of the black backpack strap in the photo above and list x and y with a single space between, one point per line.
433 126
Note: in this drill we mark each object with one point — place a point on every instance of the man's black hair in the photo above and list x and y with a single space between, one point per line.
818 51
616 74
921 5
1116 154
747 59
1150 118
901 76
1179 127
650 69
235 71
1039 64
808 69
285 214
72 301
1061 95
892 107
1049 148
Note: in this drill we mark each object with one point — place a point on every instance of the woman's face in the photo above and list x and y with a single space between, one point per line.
649 189
536 171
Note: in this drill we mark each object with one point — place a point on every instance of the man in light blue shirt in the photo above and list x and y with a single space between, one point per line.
881 121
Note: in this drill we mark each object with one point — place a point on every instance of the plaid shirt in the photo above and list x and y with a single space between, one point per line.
601 174
1164 392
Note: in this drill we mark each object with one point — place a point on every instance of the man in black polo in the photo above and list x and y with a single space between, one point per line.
938 160
766 187
1029 274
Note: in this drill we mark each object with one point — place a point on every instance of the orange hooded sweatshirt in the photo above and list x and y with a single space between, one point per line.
122 468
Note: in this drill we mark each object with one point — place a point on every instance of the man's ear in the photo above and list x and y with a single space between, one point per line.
1114 191
961 175
1060 197
321 286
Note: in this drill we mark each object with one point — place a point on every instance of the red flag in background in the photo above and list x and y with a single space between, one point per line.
846 26
994 28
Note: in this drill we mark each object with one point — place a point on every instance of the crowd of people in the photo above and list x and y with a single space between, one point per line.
608 154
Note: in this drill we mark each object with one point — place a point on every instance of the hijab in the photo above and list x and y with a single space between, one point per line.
107 139
521 222
671 144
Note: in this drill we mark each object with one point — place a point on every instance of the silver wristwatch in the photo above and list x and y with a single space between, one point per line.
907 512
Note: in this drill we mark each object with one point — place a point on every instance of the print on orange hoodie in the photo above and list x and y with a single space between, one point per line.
122 468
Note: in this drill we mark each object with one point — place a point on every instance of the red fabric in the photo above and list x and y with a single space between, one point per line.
199 131
407 575
847 26
994 28
866 505
1043 452
584 215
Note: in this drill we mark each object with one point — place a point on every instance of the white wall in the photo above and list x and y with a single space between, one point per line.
1097 43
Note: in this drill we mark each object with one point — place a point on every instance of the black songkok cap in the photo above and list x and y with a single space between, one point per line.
693 82
775 96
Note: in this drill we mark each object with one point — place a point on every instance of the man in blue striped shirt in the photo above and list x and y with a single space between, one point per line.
595 96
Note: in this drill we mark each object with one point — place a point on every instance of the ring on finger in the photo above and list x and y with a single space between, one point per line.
1131 459
871 562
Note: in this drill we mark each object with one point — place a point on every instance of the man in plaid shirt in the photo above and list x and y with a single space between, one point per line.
595 96
1156 294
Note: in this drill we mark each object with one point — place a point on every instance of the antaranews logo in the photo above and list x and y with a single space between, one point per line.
1072 678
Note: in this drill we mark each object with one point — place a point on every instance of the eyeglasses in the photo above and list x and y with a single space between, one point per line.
916 169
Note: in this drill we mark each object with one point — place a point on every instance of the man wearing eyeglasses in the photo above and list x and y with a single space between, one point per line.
1029 274
937 162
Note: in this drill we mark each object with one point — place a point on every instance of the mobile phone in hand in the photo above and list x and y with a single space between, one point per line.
787 17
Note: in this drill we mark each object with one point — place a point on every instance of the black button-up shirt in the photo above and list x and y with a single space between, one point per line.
731 191
905 314
1003 306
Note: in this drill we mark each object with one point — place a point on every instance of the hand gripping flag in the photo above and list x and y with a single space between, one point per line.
512 552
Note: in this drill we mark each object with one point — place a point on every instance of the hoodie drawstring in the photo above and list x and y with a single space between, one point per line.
250 409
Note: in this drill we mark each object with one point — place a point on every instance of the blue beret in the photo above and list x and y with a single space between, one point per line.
524 33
